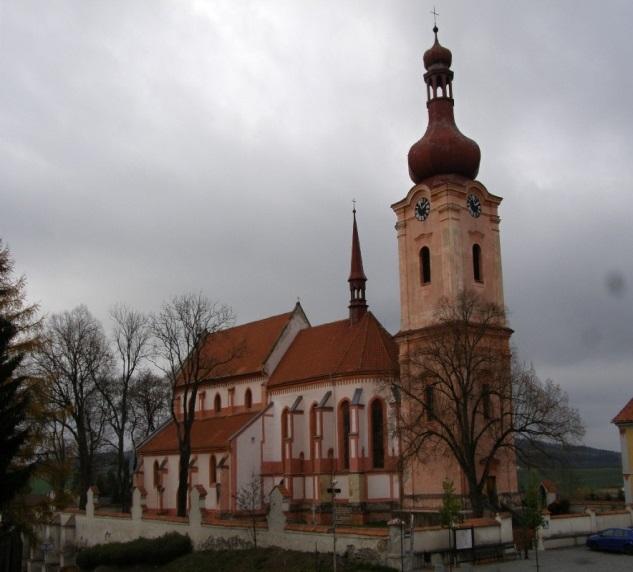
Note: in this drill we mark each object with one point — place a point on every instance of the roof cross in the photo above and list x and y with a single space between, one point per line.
435 15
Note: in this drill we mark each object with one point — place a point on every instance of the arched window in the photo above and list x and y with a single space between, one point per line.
425 265
345 427
429 400
213 470
477 263
377 434
248 399
313 430
156 474
217 403
284 424
201 397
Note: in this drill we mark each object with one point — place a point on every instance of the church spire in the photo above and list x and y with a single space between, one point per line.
357 278
443 150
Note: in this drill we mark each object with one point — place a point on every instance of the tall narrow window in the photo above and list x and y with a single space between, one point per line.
377 435
156 474
213 470
477 263
485 401
248 399
217 403
345 428
284 424
429 400
313 430
425 265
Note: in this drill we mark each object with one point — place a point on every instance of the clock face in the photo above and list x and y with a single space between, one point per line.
422 209
474 205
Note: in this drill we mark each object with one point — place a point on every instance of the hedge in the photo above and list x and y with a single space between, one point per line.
140 551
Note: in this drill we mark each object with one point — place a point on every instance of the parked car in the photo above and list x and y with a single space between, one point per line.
613 539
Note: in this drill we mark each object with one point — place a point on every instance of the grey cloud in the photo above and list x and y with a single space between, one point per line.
146 151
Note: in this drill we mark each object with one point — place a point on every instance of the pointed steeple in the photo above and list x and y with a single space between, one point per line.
357 278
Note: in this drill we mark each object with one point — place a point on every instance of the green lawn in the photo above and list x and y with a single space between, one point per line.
261 560
569 480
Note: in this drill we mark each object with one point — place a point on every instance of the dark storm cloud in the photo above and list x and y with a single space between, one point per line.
150 149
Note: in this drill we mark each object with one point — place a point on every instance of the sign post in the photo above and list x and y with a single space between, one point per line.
333 490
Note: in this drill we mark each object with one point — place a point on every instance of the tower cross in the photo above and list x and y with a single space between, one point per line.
435 15
354 205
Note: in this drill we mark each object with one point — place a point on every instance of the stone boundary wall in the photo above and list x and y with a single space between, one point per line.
72 530
573 529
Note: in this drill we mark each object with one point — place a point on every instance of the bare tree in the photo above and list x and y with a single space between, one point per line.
465 396
249 501
181 329
132 337
149 398
73 358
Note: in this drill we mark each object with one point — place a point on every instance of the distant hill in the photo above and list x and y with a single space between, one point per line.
576 457
577 470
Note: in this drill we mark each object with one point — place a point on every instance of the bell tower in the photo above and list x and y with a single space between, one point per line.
448 243
448 223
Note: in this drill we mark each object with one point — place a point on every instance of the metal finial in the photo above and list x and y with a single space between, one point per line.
354 206
435 15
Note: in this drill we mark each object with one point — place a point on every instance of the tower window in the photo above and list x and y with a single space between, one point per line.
425 265
477 263
217 403
248 399
377 435
485 400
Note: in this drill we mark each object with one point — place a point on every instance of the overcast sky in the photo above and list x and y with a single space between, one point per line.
153 148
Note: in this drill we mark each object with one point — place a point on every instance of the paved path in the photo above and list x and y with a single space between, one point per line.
566 560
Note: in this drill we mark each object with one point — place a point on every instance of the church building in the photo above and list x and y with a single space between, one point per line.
303 405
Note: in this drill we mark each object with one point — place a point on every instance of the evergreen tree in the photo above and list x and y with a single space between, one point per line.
13 307
14 470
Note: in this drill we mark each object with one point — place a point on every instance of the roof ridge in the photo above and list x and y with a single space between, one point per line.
275 316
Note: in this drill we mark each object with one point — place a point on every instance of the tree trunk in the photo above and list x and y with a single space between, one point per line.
85 468
183 478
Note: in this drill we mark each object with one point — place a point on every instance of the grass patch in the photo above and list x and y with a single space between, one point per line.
261 560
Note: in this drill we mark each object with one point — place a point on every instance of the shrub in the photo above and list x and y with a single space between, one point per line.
559 507
140 551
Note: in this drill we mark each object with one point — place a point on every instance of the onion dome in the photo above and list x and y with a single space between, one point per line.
437 55
443 150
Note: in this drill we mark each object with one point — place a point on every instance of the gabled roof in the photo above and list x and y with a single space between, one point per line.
250 344
626 415
335 349
211 434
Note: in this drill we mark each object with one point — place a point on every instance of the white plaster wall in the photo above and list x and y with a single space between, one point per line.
249 459
378 486
568 526
170 481
620 520
340 391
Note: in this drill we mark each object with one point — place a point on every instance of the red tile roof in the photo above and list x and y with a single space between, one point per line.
250 343
206 434
338 348
626 415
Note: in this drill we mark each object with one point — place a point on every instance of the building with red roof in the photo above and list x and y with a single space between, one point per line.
624 422
298 406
